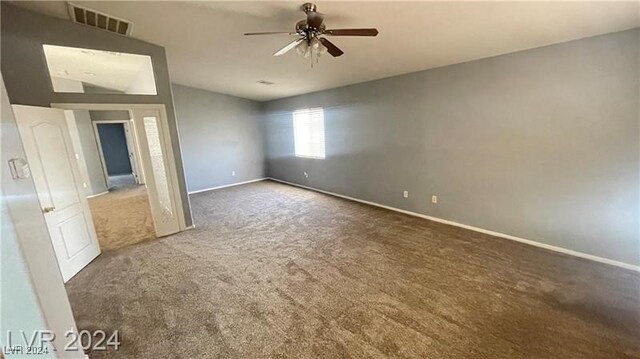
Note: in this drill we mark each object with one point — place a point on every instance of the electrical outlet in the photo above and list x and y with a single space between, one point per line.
306 175
233 173
405 194
434 199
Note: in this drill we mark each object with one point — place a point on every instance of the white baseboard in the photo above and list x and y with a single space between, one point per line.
99 194
228 185
570 252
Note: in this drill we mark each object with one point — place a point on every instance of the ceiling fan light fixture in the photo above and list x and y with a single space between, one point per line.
310 48
318 47
315 43
302 48
322 50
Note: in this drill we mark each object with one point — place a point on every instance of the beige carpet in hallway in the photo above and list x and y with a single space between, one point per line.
122 217
273 271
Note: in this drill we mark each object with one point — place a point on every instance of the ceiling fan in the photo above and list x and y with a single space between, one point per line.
311 32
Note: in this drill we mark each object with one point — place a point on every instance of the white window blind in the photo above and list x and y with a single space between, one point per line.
308 132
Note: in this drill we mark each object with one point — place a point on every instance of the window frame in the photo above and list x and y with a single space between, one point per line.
296 135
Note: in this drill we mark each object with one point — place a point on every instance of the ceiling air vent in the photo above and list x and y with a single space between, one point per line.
89 17
266 83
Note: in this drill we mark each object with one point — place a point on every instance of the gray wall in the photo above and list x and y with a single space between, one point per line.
26 75
114 148
219 134
20 309
109 115
32 294
541 144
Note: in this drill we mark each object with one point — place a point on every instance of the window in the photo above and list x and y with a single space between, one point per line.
308 133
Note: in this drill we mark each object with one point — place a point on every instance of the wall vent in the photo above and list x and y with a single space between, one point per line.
93 18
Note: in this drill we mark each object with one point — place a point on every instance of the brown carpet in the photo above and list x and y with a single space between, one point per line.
122 217
273 271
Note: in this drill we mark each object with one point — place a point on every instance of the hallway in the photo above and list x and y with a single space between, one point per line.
122 217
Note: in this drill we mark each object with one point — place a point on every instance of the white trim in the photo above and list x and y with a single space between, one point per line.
570 252
99 194
103 162
229 185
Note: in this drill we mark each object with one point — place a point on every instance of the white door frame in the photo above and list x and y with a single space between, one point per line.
105 174
131 147
80 156
168 157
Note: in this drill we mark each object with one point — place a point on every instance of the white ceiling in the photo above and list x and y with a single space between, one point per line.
206 48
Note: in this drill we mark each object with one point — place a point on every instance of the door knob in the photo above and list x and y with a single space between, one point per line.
48 209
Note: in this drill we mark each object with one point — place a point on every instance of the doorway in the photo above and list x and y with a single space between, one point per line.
67 177
115 153
122 215
118 148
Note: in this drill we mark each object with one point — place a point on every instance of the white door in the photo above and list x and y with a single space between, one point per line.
57 179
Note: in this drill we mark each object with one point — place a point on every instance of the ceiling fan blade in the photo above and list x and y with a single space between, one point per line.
314 19
352 32
269 33
331 48
289 46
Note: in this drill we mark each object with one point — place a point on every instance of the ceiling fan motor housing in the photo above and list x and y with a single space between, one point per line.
309 7
303 28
